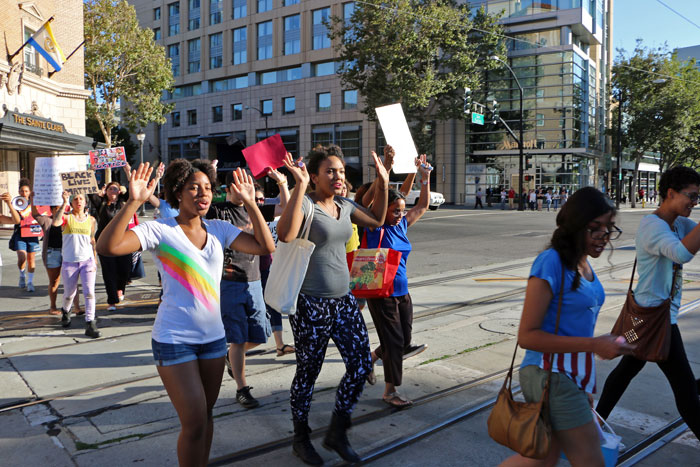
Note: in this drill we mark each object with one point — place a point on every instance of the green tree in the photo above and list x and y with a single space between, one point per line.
659 97
123 64
422 53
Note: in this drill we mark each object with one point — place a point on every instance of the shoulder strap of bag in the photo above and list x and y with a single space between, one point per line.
634 268
509 377
309 219
363 242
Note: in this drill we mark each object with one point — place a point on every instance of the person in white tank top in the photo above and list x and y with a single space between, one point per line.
78 251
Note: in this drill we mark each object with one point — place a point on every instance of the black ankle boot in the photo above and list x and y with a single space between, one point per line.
302 446
337 440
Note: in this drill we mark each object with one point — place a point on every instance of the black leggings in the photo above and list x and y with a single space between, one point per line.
678 373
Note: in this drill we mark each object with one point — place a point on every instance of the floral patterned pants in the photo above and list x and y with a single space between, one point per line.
316 321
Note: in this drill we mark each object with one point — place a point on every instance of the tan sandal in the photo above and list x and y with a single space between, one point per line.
397 400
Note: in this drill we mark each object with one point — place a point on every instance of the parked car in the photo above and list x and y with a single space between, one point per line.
436 199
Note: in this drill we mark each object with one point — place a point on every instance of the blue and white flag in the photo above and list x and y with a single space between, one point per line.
45 43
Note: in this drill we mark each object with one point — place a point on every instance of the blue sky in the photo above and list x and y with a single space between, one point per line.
655 23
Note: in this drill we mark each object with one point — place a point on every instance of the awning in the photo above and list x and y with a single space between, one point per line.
30 132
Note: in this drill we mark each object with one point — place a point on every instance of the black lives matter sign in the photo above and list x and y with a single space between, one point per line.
79 183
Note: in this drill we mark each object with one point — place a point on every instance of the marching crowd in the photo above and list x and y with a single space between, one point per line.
214 261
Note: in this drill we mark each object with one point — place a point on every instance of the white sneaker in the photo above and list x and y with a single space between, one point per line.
111 308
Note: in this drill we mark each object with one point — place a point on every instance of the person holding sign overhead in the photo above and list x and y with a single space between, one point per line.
78 229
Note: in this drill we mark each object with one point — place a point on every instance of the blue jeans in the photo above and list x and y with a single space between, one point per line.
243 312
172 354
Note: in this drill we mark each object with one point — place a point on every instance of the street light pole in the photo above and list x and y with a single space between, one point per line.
618 195
520 140
141 136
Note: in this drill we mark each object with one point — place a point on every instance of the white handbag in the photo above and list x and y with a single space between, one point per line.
288 269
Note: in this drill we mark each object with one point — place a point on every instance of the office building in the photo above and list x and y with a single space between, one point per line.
245 69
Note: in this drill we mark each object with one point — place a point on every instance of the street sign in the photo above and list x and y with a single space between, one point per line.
477 118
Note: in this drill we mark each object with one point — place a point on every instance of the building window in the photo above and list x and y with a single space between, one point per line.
265 40
193 55
192 117
193 15
239 8
540 119
156 34
240 46
266 106
175 119
323 102
216 50
174 19
324 69
156 14
174 56
289 2
289 105
215 11
348 10
236 111
264 5
292 34
31 61
350 99
319 31
217 114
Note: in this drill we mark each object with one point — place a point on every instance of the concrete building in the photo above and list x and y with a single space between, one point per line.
40 114
247 68
561 53
689 53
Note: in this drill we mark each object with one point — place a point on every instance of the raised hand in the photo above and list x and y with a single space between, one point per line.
297 168
160 171
6 197
382 172
244 186
127 170
389 155
424 167
276 175
66 197
140 187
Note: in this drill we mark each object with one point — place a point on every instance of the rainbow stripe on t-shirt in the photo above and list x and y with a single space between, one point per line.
190 275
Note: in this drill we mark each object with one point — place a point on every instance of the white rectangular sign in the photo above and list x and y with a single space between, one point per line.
398 135
48 188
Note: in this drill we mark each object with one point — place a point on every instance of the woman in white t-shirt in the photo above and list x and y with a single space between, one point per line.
188 337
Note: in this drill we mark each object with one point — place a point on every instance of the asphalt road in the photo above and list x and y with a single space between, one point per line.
457 238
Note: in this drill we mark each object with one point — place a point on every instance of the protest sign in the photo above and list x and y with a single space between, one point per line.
269 152
79 183
107 158
398 135
48 189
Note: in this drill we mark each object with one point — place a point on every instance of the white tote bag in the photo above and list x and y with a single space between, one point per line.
289 268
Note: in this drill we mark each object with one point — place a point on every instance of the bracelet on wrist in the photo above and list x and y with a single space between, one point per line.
282 183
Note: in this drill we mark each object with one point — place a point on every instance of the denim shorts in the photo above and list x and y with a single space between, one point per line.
244 313
30 245
54 258
173 354
568 404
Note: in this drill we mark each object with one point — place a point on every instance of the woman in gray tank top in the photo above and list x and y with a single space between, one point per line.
325 308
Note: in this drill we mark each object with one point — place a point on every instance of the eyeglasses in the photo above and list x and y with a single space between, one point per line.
612 233
693 197
398 212
259 200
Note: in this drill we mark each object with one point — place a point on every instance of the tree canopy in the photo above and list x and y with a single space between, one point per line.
659 97
123 64
422 53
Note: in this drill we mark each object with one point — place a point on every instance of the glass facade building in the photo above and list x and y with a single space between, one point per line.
559 51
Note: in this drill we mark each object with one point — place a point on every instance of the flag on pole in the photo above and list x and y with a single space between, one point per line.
45 43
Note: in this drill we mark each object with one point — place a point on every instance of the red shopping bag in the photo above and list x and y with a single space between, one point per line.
372 270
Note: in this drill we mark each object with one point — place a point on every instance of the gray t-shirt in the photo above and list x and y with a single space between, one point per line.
327 275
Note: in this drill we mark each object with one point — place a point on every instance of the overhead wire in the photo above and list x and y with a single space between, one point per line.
679 14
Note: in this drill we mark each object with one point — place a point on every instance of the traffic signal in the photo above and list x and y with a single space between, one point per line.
467 100
495 112
528 162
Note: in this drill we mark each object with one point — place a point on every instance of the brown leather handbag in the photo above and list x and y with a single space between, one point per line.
524 427
648 327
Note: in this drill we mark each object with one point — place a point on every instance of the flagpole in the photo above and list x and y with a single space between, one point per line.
25 42
69 56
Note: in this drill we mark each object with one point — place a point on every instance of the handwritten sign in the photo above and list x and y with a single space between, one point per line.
48 188
79 183
398 135
107 158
